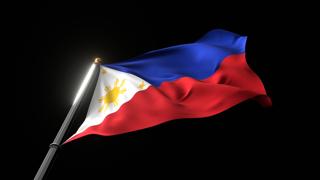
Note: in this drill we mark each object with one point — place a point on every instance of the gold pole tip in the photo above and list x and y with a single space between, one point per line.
97 60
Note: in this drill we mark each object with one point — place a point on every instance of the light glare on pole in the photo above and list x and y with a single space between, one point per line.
84 83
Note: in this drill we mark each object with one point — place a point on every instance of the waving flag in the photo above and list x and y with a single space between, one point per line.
186 81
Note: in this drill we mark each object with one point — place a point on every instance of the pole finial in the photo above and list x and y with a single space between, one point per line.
97 60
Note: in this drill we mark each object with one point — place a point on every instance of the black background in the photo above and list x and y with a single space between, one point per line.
57 43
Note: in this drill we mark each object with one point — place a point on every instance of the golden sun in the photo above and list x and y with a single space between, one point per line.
112 95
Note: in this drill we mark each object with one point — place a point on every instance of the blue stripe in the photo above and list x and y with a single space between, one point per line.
198 60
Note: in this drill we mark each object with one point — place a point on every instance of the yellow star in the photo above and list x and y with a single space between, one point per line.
141 85
103 71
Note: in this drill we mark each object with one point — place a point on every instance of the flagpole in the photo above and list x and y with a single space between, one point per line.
53 147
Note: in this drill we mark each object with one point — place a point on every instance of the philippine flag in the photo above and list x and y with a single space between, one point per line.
193 80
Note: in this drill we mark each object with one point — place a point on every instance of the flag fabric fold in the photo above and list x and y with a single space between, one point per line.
186 81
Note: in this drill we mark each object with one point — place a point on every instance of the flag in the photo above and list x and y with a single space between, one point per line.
193 80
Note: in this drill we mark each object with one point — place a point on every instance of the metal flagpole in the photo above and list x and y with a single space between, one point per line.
53 147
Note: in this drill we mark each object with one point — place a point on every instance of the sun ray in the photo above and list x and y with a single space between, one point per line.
107 88
122 83
116 83
102 108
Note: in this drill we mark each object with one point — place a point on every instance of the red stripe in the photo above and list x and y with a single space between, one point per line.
232 83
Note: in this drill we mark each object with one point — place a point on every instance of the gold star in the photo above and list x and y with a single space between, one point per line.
141 85
103 71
